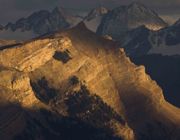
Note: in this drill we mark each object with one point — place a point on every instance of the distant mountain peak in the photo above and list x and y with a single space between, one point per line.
99 11
124 18
138 6
75 85
41 22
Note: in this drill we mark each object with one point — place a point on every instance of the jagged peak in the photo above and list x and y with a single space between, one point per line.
140 6
136 6
99 11
58 10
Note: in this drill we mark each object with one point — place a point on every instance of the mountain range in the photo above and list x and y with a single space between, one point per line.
74 84
112 22
110 74
39 23
141 41
145 33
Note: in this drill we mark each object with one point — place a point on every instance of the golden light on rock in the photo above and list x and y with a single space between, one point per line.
76 68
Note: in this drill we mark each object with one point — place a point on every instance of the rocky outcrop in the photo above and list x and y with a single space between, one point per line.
26 56
19 85
80 79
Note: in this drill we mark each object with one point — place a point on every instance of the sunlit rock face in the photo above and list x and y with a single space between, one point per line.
122 19
84 88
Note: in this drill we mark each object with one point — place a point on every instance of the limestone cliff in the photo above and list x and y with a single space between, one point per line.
76 83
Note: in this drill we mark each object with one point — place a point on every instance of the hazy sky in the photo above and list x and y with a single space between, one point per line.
10 10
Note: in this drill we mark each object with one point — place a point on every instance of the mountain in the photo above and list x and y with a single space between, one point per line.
124 18
76 85
159 52
58 19
94 18
142 41
39 23
114 23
